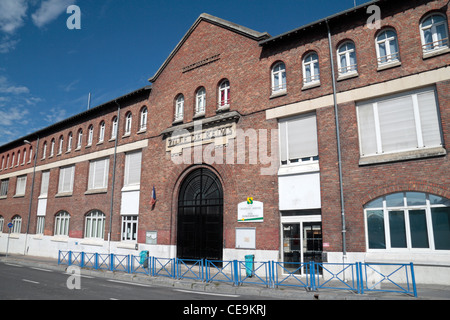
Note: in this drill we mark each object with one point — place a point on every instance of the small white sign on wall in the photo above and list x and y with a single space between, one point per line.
251 211
245 238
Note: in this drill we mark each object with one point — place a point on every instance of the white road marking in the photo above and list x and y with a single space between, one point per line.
208 293
13 265
46 270
30 281
131 283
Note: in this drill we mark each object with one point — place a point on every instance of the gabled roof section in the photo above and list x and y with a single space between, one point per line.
246 32
362 8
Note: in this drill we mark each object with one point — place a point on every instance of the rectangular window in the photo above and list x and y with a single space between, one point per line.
98 174
298 139
66 176
129 228
21 185
441 227
133 169
375 228
44 183
40 225
4 188
399 123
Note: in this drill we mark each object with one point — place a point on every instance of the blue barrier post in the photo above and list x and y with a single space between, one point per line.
236 272
82 260
69 262
96 261
413 279
59 257
111 262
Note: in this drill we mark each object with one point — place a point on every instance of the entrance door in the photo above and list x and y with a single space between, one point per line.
200 217
302 242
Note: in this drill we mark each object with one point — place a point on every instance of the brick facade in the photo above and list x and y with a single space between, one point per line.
214 50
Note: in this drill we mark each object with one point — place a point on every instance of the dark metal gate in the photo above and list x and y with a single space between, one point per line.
200 216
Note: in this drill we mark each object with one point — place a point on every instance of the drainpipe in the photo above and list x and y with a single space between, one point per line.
344 246
31 193
113 177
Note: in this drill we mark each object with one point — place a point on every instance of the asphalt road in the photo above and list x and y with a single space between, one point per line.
18 282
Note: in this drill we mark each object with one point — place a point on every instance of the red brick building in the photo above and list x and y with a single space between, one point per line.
238 138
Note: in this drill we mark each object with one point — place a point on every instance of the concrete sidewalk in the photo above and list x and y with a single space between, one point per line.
425 292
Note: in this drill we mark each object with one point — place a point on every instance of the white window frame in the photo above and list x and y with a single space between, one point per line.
4 185
314 78
129 228
348 69
80 139
95 225
69 142
224 90
437 44
417 119
390 57
44 151
52 147
405 208
21 185
200 101
17 224
64 174
128 122
143 119
133 161
62 224
284 139
61 143
98 171
279 82
2 223
179 108
40 225
101 133
24 156
90 135
114 128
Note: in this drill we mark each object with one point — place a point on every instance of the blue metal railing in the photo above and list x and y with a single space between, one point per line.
358 277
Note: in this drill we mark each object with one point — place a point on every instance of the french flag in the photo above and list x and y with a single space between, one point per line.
153 200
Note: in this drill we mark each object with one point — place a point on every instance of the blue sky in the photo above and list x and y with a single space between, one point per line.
47 70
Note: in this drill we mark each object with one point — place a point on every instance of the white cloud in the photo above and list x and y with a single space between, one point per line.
7 88
55 115
49 11
12 14
7 45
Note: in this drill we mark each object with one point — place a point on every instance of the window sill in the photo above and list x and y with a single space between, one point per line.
436 52
60 238
348 75
199 115
141 131
402 156
131 188
96 191
92 242
306 167
177 121
277 94
3 197
63 194
18 196
388 65
127 245
311 85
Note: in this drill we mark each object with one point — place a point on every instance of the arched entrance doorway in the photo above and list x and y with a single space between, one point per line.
200 216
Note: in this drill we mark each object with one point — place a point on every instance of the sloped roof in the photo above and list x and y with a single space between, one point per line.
252 34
